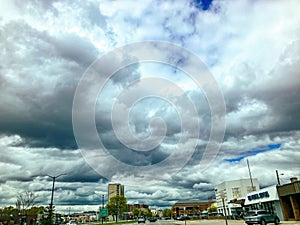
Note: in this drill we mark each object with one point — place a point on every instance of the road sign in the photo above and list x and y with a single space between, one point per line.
103 212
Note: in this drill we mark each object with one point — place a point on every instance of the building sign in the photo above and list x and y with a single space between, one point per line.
260 195
267 194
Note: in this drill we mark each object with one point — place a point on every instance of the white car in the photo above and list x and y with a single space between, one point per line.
72 222
141 220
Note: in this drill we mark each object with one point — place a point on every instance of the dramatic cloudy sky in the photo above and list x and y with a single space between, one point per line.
47 77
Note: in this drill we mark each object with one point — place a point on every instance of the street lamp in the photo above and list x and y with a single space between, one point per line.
69 209
52 193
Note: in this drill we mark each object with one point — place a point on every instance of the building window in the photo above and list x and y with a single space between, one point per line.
236 192
250 189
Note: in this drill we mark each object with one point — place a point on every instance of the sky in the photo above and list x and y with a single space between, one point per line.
169 98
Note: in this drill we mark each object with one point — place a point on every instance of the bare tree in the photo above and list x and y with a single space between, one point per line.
25 200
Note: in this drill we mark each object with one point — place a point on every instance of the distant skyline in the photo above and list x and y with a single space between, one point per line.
145 113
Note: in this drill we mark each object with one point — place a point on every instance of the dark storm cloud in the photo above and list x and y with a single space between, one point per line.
83 174
43 79
268 98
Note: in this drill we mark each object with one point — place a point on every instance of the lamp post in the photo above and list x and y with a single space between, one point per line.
52 193
102 206
69 209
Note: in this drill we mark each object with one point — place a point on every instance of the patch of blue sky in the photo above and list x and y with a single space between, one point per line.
203 4
255 151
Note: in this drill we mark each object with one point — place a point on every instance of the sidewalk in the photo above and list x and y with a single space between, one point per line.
290 222
222 222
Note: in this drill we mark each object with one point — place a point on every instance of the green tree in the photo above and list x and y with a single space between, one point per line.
212 209
167 213
35 210
117 206
10 210
9 213
135 212
145 212
48 216
149 213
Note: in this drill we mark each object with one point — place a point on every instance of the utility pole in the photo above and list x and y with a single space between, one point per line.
277 175
278 180
102 206
250 175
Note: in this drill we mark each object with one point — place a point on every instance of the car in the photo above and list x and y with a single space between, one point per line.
152 219
261 217
141 220
72 222
183 218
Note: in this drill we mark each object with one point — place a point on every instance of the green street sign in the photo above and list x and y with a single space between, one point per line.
103 212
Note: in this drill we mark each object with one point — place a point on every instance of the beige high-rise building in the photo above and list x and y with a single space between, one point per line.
115 190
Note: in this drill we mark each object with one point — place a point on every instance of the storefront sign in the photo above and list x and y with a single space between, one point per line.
259 196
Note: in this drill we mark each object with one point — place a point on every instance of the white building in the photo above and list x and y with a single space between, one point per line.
267 199
157 212
229 192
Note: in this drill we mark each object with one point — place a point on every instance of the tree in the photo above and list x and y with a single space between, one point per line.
35 210
167 213
25 201
47 218
135 212
212 209
149 213
117 206
145 212
8 214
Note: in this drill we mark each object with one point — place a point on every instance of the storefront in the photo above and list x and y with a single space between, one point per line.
289 195
267 199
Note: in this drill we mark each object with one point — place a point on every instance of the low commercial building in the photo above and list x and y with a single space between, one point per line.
131 207
190 208
267 199
289 195
230 195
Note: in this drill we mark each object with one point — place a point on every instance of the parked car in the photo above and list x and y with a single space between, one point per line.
261 217
141 220
152 219
183 218
72 222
